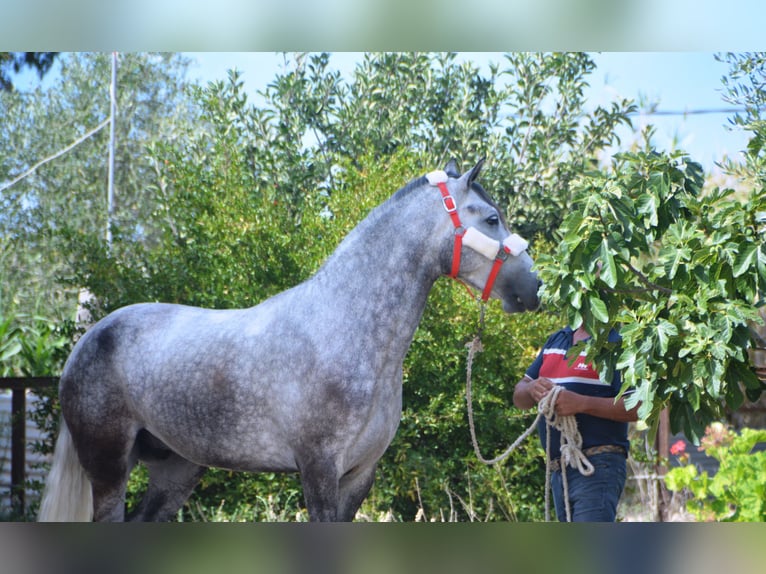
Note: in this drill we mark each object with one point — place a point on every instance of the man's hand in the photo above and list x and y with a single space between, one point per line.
538 388
569 403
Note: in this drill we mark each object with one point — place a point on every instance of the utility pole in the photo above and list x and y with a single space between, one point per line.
110 173
662 446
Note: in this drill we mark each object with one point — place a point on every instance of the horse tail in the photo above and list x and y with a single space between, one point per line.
67 496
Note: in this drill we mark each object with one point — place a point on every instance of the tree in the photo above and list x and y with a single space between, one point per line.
43 214
680 272
527 116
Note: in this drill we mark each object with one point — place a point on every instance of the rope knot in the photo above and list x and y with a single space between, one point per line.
572 455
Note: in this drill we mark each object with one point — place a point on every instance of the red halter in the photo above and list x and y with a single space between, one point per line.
502 254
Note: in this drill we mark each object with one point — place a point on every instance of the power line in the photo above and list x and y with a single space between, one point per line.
704 111
688 112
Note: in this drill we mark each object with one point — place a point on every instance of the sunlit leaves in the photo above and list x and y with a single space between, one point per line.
679 271
526 114
598 309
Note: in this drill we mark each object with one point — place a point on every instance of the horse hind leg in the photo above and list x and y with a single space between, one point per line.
171 480
108 460
319 479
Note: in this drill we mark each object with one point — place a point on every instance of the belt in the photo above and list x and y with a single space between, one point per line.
590 451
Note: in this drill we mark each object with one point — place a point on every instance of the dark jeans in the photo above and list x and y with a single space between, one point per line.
592 498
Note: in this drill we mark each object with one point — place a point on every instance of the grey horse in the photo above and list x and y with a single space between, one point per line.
308 381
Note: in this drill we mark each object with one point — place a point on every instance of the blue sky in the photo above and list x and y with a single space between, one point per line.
677 81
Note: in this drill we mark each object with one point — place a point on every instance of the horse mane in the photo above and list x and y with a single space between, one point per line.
409 186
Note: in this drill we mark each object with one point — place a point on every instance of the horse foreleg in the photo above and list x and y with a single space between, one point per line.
319 479
354 487
329 499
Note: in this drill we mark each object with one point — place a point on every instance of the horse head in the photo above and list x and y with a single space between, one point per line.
481 251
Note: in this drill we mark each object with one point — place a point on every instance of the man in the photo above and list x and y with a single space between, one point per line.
602 422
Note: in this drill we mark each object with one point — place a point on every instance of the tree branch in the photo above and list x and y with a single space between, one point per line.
649 284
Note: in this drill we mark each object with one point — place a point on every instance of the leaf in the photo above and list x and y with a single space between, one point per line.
598 309
744 259
665 330
694 424
741 372
680 477
608 272
646 205
624 212
9 349
762 264
627 359
673 257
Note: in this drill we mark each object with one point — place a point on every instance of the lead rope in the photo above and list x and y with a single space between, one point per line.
571 439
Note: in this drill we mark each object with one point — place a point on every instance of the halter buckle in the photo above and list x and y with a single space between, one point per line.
503 253
449 204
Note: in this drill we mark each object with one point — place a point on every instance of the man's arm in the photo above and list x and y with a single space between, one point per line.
528 392
570 403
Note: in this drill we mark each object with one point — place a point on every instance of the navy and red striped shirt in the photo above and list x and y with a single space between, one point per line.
582 378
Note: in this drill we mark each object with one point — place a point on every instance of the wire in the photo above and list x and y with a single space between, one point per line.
688 112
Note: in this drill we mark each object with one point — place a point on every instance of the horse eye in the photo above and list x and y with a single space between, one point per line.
493 220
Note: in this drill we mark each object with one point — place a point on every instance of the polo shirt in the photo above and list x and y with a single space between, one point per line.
579 377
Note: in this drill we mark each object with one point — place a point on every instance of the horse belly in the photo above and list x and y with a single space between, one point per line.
216 430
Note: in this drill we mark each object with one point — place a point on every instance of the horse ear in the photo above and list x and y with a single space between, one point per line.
474 173
451 169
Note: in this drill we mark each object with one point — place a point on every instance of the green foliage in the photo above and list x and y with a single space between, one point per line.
10 346
526 115
737 491
743 87
680 273
34 346
31 345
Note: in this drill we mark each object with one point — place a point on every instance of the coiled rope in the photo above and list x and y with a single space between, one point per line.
571 439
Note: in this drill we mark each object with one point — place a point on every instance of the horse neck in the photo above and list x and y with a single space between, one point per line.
382 272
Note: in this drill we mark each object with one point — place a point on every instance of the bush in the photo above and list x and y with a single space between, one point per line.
737 491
